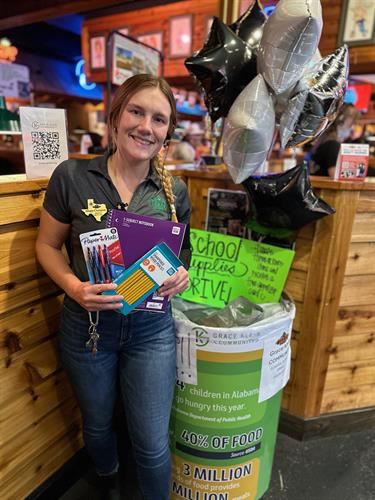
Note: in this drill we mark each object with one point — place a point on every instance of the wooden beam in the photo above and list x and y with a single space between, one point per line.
21 13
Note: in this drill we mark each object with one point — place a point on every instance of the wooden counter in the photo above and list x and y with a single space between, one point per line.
332 281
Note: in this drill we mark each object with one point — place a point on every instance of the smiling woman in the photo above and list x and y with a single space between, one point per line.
139 349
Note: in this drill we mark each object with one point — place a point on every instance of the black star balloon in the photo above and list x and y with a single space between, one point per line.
249 26
285 200
223 68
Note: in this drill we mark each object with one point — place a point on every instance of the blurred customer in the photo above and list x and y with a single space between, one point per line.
325 155
193 138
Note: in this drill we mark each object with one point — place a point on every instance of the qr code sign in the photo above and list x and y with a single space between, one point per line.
46 145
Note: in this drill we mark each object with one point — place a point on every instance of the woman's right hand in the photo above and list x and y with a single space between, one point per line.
90 298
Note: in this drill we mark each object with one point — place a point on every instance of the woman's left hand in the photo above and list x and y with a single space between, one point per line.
175 284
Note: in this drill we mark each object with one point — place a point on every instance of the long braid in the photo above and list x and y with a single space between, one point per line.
166 181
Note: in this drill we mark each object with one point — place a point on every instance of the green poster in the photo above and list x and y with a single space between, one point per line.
225 267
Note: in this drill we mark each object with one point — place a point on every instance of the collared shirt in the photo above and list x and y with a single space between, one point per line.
77 185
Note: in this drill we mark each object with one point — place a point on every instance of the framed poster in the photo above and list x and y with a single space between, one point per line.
154 40
97 52
130 58
357 25
180 35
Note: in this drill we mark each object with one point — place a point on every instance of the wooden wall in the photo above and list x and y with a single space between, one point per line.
151 20
39 421
350 380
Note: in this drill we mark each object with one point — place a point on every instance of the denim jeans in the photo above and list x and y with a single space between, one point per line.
138 351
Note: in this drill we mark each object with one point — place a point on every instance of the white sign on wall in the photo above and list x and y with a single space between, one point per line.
44 139
14 80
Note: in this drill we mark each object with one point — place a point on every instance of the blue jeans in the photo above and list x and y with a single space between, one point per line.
137 350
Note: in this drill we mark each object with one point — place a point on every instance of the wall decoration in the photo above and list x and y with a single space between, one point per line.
180 35
97 52
154 40
357 25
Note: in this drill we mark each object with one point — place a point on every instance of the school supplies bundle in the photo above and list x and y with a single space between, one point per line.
145 276
138 234
103 256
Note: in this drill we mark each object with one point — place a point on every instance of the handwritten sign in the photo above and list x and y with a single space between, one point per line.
225 267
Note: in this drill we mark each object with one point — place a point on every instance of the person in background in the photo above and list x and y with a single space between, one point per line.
326 151
138 350
193 140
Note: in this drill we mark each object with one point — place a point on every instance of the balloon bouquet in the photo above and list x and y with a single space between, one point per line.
266 75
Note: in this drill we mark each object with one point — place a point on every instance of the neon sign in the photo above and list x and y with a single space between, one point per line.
80 74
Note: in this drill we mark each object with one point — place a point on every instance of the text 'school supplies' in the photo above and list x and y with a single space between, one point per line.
138 233
145 276
103 255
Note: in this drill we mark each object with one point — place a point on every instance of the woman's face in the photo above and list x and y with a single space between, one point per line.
143 125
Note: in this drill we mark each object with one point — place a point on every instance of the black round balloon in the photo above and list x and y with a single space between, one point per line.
285 200
223 68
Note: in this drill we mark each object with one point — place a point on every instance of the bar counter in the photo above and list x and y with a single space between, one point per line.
332 281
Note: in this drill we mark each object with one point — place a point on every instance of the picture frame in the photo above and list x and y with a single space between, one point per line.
97 52
180 36
357 24
154 39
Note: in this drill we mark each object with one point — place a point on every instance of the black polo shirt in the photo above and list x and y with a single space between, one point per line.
81 192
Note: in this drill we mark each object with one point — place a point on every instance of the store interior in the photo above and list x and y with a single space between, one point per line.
71 83
326 428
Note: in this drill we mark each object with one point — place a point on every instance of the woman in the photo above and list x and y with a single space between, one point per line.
325 155
140 347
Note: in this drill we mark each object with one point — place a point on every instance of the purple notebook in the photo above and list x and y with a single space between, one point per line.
138 234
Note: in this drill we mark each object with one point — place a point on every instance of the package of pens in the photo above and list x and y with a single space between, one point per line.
103 256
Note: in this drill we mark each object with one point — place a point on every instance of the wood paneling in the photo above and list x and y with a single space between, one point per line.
21 329
32 405
321 301
361 259
150 20
358 291
22 449
39 421
355 320
42 466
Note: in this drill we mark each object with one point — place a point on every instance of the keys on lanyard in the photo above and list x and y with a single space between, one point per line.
92 343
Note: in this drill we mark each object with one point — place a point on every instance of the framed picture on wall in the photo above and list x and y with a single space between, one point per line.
357 25
97 52
180 35
155 40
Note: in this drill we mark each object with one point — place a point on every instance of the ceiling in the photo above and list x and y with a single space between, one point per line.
52 28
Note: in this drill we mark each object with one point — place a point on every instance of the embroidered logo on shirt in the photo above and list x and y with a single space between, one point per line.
97 210
158 203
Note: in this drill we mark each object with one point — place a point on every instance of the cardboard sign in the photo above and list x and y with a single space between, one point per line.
224 267
352 162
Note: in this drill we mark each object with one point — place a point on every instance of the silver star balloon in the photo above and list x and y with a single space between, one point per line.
248 130
290 38
315 104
